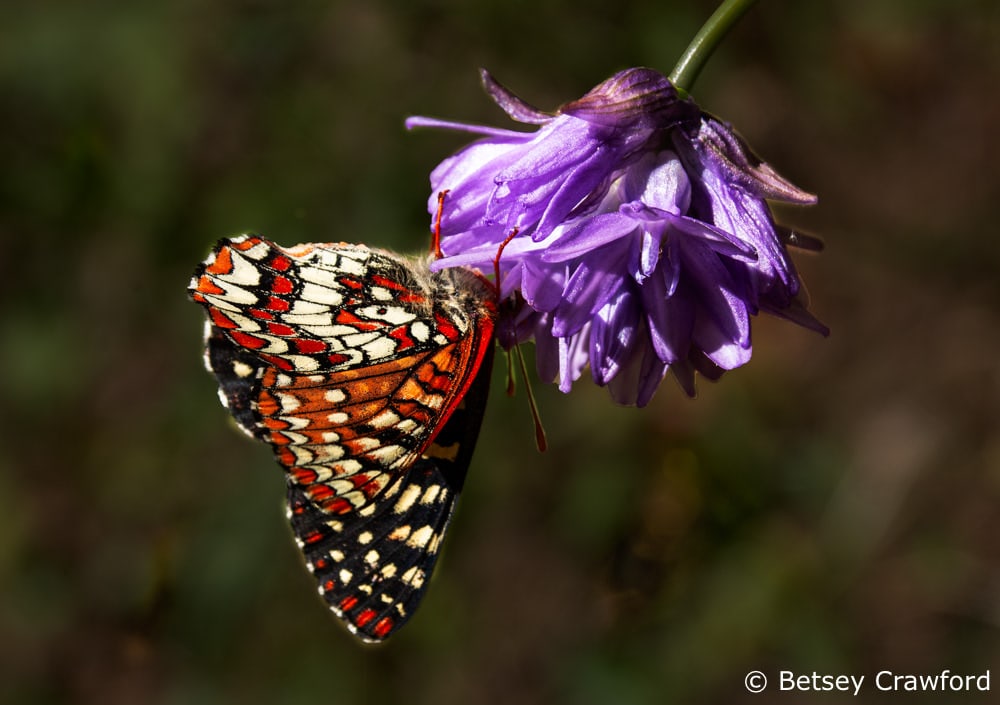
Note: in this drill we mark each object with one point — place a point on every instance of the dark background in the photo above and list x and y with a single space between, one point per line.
831 507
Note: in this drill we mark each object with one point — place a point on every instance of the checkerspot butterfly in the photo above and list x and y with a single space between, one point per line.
367 374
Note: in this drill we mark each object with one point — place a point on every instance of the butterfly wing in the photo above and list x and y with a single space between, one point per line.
373 565
350 362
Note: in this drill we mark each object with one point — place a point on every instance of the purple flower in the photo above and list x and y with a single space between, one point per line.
644 240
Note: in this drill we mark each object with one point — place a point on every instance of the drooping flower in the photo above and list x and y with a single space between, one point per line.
644 241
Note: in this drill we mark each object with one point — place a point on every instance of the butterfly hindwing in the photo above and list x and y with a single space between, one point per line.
373 566
367 375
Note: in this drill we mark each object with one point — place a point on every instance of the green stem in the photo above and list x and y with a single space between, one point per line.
704 43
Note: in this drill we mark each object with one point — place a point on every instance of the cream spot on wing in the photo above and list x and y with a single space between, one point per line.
335 396
345 576
372 558
420 331
365 537
435 543
346 467
242 369
406 499
327 453
430 494
385 419
396 315
289 402
320 319
302 308
381 347
386 455
317 293
365 443
414 576
302 363
420 537
408 425
244 272
400 533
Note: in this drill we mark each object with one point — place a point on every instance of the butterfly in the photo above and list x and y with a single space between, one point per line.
367 375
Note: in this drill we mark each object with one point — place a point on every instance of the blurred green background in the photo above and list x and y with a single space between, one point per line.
831 507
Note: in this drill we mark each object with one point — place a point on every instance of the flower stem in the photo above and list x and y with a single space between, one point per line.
704 43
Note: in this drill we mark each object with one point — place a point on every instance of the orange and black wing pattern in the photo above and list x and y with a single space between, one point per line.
367 374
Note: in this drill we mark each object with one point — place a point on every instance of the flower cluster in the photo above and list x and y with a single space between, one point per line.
644 242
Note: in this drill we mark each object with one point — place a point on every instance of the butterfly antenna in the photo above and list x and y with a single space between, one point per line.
436 239
540 439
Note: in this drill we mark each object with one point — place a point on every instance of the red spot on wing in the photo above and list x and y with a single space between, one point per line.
207 286
248 244
222 320
379 280
446 327
383 627
303 476
402 335
222 264
318 493
281 285
366 616
279 362
338 505
351 283
247 341
337 358
309 346
276 304
280 329
281 263
261 315
329 584
362 325
348 603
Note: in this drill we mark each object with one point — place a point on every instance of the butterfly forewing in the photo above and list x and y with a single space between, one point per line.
350 362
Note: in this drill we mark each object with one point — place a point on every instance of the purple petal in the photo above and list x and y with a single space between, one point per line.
720 148
516 108
613 336
589 287
416 121
572 358
670 319
588 235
